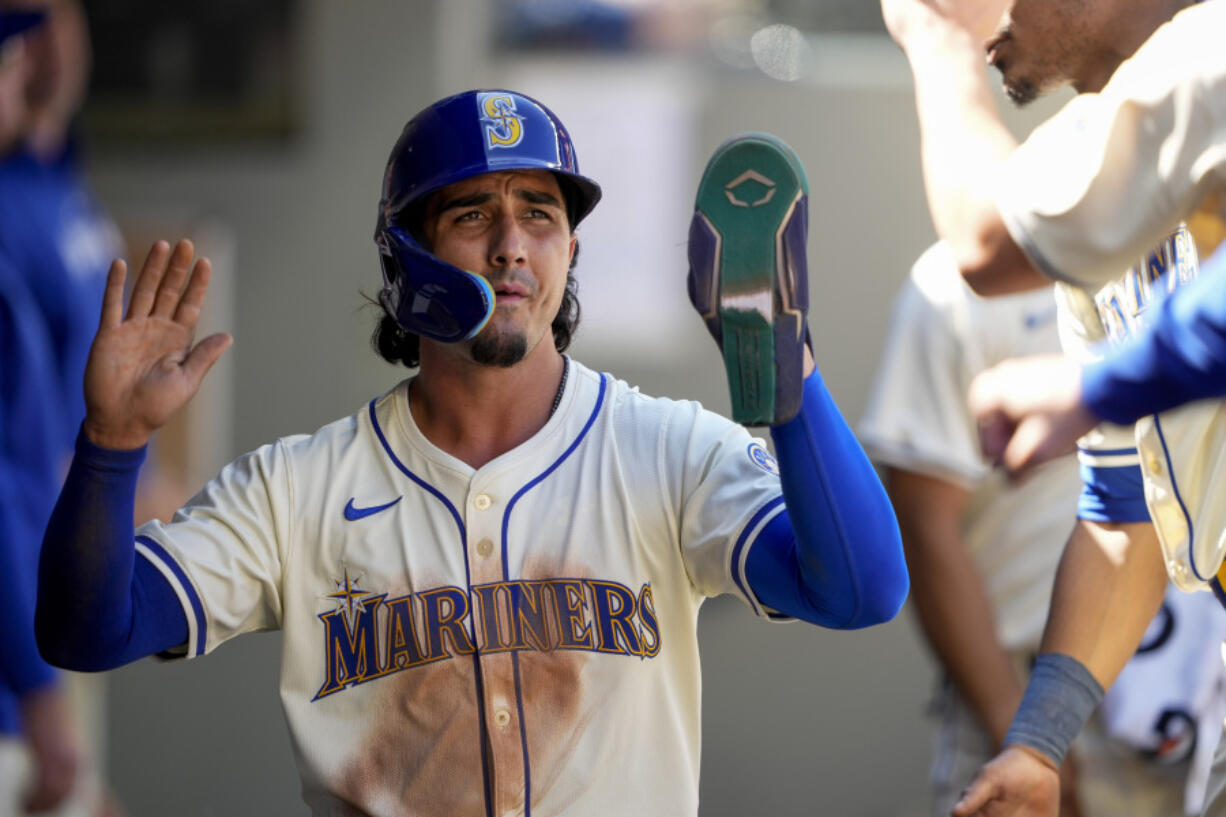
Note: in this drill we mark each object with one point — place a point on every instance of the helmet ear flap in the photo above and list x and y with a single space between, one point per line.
427 296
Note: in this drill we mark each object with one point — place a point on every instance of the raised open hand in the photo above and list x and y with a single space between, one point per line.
143 367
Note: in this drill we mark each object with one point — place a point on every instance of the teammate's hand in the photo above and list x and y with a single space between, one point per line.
1016 783
1029 410
53 748
143 367
978 18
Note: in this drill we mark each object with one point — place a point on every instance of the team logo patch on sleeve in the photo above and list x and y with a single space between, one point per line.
762 458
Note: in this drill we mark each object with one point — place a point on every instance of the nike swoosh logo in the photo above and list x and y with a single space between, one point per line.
353 513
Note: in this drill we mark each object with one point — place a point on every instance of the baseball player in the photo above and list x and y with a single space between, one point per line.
982 553
488 577
1082 199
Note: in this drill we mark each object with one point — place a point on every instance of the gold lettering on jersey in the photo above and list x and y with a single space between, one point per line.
1122 304
372 636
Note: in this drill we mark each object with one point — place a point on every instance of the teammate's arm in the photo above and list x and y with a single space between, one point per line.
1108 588
950 599
834 557
963 142
99 606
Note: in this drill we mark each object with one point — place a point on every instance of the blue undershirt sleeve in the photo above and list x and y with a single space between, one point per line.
100 605
834 557
1179 356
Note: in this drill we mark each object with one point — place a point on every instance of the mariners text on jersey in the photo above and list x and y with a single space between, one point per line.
369 636
1121 304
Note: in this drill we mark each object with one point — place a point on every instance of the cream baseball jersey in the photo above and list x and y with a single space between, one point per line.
1085 196
518 639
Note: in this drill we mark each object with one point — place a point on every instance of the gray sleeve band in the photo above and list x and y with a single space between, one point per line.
1059 700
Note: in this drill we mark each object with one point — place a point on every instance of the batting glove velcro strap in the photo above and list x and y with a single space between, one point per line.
1061 696
748 273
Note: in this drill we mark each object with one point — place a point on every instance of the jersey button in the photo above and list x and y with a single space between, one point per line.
482 501
502 718
1155 465
484 548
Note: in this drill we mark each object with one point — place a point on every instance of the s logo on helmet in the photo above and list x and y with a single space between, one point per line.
503 127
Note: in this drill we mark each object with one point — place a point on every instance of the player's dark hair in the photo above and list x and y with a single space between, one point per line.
395 345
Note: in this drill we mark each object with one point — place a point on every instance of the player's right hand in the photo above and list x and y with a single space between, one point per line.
1016 783
143 367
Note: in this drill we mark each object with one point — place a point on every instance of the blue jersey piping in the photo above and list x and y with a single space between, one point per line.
506 521
737 575
483 738
188 588
1166 453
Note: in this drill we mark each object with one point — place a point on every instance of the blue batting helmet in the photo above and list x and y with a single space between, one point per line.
455 139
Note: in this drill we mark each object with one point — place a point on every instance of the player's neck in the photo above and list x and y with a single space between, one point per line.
1132 32
477 413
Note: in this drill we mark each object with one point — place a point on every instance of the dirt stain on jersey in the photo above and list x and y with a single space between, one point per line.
422 748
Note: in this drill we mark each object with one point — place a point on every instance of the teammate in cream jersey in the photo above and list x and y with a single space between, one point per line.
983 550
1102 193
489 577
1088 194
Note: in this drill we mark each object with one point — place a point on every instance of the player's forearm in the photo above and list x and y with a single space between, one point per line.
1108 588
1179 357
90 597
963 147
952 603
847 567
1110 583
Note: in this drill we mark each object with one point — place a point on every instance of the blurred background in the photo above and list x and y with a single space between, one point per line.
260 128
